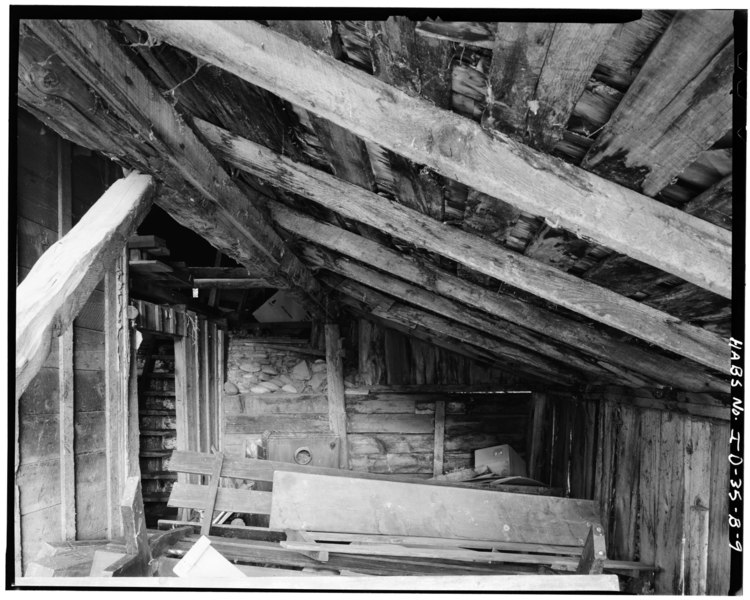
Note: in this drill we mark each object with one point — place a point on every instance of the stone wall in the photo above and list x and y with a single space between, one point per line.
259 367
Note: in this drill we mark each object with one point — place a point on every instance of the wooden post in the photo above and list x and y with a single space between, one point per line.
336 399
116 359
439 437
213 488
537 441
65 360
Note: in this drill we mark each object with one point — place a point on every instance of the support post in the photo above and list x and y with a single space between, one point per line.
437 468
65 360
336 399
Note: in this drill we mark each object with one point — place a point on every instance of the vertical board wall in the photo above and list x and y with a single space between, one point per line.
661 478
38 477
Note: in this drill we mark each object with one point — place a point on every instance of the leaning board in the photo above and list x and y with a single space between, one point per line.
327 503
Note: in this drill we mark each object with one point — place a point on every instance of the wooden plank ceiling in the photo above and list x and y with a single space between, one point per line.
644 105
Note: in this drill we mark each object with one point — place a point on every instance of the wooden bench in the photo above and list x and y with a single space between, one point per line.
513 534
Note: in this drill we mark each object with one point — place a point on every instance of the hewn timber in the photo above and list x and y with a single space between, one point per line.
335 390
471 251
538 73
503 330
458 148
59 284
210 202
599 344
520 358
678 91
715 204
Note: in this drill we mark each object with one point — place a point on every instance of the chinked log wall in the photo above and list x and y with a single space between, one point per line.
387 431
657 464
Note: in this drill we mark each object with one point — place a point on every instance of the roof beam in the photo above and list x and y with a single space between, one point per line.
481 255
231 283
390 309
610 353
458 148
678 105
212 203
61 281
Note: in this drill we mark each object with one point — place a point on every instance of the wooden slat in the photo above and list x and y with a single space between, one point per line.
648 487
335 391
719 556
697 506
658 130
322 503
626 484
618 218
471 251
185 495
176 154
61 281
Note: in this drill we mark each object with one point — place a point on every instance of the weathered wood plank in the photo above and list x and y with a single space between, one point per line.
715 204
644 144
336 400
719 556
627 455
458 148
560 288
697 505
311 423
398 423
134 525
61 281
439 437
185 495
649 481
211 494
323 503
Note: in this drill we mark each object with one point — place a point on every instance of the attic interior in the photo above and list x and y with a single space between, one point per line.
305 298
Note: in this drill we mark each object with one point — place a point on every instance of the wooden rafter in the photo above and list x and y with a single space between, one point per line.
59 284
596 343
615 216
212 203
679 104
592 301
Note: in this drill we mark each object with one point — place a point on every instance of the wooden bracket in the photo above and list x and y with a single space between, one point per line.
594 552
296 535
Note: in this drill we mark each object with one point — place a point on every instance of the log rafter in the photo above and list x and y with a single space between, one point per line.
589 300
615 216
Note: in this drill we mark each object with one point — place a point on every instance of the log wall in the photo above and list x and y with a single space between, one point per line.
657 468
59 485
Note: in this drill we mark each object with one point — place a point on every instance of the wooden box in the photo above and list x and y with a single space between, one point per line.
502 460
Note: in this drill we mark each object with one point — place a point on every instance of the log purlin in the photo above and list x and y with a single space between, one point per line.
458 148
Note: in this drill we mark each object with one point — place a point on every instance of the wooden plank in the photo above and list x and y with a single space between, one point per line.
66 384
211 494
474 252
670 514
322 503
134 525
61 281
244 532
336 401
185 495
697 505
232 284
173 151
719 556
362 538
714 204
434 553
469 33
644 145
618 218
439 437
623 543
311 423
648 487
538 73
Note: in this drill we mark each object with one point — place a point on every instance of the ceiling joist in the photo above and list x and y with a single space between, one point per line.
572 198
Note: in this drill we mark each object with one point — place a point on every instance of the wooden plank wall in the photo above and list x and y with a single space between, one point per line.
661 478
38 478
